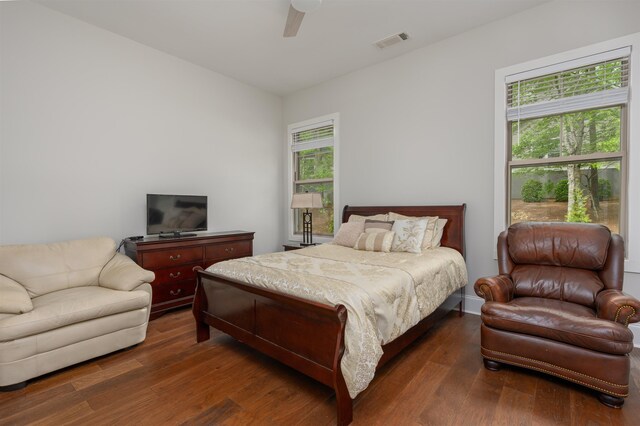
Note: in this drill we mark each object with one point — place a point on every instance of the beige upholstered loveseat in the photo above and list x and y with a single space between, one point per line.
67 302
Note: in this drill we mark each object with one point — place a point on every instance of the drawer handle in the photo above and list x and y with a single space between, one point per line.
176 275
176 257
229 249
175 293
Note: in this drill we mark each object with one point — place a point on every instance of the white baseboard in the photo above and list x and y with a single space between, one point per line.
635 328
472 305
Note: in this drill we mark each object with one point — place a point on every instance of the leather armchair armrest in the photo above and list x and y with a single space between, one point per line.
495 289
617 306
122 273
14 298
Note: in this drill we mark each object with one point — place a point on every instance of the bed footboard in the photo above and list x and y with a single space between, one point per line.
302 334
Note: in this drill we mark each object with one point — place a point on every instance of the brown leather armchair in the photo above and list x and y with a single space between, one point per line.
558 307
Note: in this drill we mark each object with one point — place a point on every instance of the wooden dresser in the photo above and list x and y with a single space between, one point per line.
173 259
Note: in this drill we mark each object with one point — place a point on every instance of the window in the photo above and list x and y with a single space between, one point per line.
312 168
565 139
567 148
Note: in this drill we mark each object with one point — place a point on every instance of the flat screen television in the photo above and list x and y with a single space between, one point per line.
172 215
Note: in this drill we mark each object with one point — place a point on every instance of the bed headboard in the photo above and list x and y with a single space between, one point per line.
453 235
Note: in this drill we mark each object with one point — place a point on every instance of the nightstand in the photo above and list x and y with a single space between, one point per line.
293 246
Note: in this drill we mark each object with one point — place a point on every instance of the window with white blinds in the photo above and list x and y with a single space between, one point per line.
312 162
318 136
567 143
603 82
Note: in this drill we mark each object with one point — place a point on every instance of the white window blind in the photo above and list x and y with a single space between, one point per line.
318 136
587 86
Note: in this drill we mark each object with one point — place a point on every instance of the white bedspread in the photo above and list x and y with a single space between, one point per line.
385 293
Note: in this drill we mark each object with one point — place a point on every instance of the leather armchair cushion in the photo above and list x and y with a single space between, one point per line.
560 321
557 282
70 306
576 245
44 268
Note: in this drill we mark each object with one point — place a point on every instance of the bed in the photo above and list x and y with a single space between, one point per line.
313 340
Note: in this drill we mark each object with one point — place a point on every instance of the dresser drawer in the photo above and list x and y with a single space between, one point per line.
228 250
175 274
170 257
167 292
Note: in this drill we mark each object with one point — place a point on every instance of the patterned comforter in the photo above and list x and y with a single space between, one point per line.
385 293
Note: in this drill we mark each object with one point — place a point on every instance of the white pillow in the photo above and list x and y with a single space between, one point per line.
437 235
348 234
375 241
409 235
429 233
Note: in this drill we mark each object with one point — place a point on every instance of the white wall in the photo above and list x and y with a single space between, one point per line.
91 122
418 129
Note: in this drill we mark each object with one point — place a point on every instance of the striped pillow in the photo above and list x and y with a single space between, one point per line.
358 218
375 241
377 225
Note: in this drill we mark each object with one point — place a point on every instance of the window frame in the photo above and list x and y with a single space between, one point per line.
621 155
630 126
291 181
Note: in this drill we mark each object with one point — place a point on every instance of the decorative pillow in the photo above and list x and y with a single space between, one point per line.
375 241
377 225
409 235
358 218
428 233
437 235
348 234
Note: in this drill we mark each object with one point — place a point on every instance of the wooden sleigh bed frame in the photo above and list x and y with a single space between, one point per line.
313 340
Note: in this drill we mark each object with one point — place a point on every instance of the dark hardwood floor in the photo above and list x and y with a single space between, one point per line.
169 379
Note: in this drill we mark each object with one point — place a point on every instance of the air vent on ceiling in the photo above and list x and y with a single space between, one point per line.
391 40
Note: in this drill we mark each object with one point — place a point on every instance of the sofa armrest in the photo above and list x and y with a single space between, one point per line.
14 298
617 306
122 273
495 289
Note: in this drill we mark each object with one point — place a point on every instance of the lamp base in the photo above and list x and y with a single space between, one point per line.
307 244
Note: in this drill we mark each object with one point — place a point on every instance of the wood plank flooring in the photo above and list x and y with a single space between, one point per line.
169 379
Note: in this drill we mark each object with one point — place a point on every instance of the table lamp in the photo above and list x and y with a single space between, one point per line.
306 200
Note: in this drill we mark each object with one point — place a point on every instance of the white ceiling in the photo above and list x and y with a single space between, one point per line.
243 38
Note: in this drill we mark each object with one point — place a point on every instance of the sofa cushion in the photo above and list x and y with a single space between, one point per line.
577 245
26 347
14 299
70 306
122 273
560 321
43 268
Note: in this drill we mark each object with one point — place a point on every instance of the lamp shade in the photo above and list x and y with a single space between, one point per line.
305 5
306 200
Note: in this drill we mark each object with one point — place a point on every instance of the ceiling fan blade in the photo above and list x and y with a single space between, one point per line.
294 19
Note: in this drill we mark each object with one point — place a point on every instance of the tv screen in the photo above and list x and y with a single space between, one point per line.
176 213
